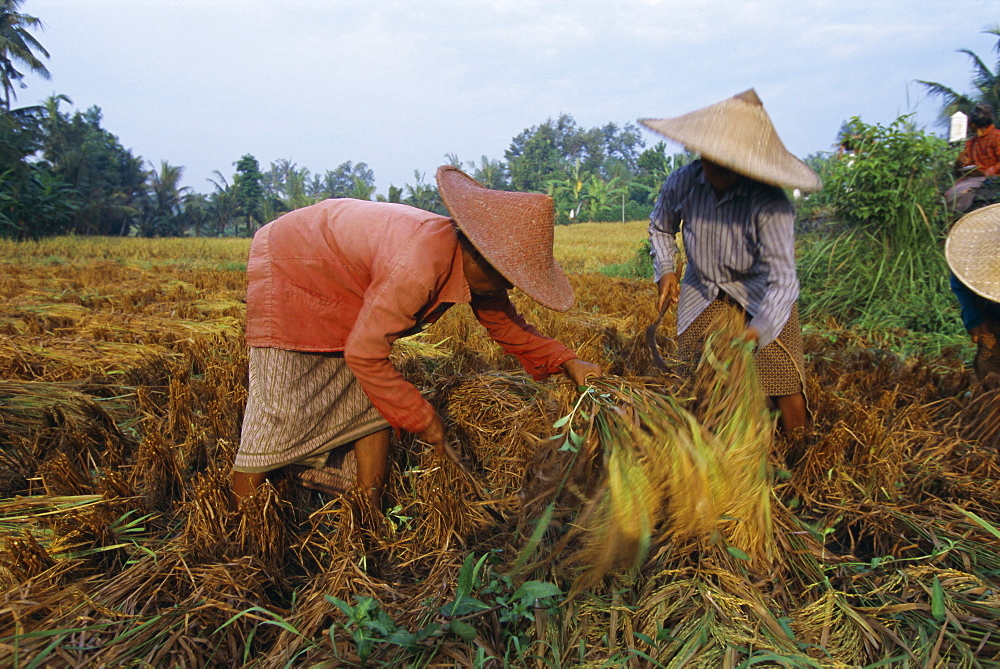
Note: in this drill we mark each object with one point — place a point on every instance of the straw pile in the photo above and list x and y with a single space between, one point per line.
685 534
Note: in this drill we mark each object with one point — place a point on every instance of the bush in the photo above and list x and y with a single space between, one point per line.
893 182
885 269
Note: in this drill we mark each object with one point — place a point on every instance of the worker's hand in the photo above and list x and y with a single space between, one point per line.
669 290
433 434
751 334
580 370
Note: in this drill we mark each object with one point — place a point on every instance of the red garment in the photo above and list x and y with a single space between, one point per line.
354 276
984 151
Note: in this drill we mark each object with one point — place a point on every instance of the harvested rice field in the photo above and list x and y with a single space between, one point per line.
642 521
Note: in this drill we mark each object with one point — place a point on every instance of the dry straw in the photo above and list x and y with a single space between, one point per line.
116 548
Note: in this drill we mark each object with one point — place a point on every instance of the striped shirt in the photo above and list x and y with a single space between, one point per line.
742 244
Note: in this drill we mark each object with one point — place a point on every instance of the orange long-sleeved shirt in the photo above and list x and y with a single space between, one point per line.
354 276
983 151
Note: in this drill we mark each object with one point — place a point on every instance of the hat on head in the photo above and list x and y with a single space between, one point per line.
513 231
737 133
973 251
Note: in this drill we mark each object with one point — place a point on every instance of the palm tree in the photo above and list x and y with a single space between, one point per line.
196 211
490 173
222 204
17 45
985 81
360 189
163 215
422 195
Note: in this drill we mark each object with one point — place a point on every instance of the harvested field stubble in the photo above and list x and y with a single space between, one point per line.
120 410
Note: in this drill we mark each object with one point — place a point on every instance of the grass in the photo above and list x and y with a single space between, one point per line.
579 248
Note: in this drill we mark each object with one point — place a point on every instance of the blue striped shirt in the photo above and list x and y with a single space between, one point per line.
742 244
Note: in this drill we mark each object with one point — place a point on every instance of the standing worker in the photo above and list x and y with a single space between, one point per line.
333 285
738 232
973 254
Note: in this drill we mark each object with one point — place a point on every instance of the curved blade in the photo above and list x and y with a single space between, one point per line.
658 361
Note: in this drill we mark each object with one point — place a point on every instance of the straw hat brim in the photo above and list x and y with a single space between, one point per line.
972 251
737 133
513 231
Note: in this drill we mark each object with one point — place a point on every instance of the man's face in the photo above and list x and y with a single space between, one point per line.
485 282
721 178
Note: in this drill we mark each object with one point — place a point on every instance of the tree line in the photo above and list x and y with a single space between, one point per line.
62 172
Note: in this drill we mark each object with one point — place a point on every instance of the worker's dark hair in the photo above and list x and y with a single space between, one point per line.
981 116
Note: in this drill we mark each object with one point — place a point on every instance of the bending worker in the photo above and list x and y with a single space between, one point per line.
738 232
332 285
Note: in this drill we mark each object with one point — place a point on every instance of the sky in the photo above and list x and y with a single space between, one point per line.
398 84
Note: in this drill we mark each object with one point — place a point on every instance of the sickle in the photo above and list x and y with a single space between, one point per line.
658 361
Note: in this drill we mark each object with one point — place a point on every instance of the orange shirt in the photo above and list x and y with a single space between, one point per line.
354 276
984 151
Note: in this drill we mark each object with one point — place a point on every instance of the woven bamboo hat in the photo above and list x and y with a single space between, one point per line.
973 251
513 231
737 133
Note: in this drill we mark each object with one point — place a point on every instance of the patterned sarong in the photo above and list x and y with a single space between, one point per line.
304 411
780 364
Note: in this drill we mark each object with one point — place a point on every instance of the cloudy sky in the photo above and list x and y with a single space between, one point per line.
400 83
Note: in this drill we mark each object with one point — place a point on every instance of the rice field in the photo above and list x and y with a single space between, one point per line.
643 521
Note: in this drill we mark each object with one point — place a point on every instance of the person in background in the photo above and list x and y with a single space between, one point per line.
737 228
973 254
979 160
333 285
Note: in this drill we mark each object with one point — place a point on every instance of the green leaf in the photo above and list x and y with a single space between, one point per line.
401 637
463 607
737 553
536 536
532 590
938 609
346 608
464 630
979 521
562 421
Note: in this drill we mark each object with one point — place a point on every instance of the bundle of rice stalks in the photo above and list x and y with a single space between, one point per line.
705 480
731 407
39 420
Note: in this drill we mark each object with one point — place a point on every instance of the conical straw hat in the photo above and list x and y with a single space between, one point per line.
737 133
513 231
973 251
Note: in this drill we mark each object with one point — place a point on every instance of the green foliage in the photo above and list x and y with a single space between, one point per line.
886 270
654 166
870 287
249 191
550 151
17 45
424 195
162 207
108 183
35 205
368 624
985 84
346 180
515 606
892 184
640 267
